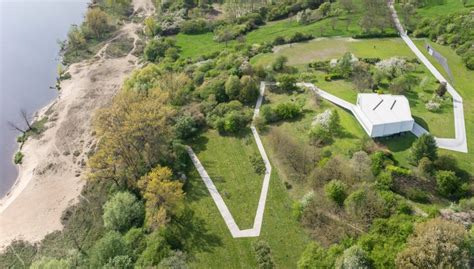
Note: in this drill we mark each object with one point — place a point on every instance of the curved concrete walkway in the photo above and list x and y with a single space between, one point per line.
459 143
223 209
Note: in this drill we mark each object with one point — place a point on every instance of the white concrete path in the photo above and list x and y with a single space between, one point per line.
221 206
459 143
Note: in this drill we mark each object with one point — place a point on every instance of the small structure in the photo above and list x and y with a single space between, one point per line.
383 114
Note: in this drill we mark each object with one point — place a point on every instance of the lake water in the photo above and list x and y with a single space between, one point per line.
29 31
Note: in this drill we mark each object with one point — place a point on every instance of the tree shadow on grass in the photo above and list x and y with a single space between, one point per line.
190 233
398 143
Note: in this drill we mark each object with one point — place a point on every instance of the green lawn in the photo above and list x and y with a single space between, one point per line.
464 86
298 131
440 124
226 160
197 45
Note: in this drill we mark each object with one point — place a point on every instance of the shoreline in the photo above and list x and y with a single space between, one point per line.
51 176
18 185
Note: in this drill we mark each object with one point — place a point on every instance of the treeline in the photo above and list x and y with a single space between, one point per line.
455 30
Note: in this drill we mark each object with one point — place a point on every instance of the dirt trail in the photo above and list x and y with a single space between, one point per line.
51 176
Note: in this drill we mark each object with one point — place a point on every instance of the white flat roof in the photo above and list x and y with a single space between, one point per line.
384 108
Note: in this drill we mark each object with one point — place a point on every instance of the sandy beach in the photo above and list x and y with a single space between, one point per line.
53 171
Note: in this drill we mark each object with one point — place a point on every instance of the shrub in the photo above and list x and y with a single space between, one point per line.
263 255
258 164
185 127
424 146
426 166
196 26
448 184
384 181
18 159
417 195
108 247
122 212
156 250
286 111
320 135
336 191
287 83
433 106
279 63
354 257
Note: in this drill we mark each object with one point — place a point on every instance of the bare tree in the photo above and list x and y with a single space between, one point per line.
26 120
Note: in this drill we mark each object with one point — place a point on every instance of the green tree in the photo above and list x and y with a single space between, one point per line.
249 91
122 262
50 263
156 250
122 212
354 258
97 22
75 38
232 87
448 184
424 146
336 191
315 256
436 243
287 83
334 124
108 247
151 28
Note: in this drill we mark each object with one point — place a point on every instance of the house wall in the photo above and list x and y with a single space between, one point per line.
387 129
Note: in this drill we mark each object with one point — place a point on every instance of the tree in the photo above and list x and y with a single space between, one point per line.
315 256
436 243
354 258
348 5
264 255
408 13
156 250
163 196
97 21
186 127
344 65
424 146
361 76
50 263
376 16
287 83
249 91
279 63
336 191
26 119
108 247
135 135
448 184
75 38
334 124
232 87
122 212
152 28
365 205
324 8
122 262
442 89
121 7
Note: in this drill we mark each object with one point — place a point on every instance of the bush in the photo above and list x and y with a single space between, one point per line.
320 136
424 146
185 127
108 247
258 164
449 185
417 195
336 191
287 83
263 255
123 211
287 111
18 159
196 26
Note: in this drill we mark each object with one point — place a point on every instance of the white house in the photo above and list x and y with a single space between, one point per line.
383 114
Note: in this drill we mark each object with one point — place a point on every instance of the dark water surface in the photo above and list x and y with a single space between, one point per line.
29 30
